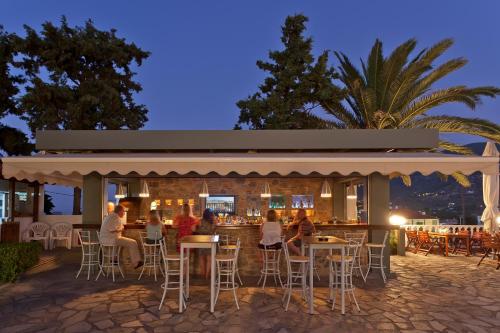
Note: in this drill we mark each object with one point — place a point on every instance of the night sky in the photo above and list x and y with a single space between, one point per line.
204 52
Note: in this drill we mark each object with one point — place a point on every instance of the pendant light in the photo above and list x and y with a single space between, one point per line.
351 192
120 192
266 193
144 190
326 191
204 191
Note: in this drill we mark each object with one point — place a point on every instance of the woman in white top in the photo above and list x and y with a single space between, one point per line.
270 232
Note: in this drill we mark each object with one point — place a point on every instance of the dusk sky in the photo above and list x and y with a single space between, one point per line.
204 52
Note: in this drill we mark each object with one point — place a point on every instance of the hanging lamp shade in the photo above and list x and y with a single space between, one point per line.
326 191
266 191
204 191
120 192
351 192
144 190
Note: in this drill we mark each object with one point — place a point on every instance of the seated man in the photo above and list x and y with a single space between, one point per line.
111 234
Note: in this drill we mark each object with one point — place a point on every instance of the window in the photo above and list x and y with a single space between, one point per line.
23 204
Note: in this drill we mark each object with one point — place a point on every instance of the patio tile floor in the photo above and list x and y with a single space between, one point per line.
424 294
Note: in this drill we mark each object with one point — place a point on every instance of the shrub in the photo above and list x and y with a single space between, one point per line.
16 258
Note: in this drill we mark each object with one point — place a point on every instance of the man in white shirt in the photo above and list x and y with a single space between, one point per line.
111 234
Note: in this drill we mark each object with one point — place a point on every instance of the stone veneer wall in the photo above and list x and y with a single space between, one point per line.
247 191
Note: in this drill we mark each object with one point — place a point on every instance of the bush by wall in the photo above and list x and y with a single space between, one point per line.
16 258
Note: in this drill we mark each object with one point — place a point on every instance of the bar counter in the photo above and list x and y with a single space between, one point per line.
249 237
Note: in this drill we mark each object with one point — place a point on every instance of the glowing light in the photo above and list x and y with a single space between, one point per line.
397 220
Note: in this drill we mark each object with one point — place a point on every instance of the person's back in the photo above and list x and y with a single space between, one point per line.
110 229
153 231
271 233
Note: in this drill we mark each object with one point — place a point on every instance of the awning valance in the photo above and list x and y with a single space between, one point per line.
68 169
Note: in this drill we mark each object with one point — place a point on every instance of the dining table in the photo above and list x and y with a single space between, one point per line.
324 243
446 236
196 242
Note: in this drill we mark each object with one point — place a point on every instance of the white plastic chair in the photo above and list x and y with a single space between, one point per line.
38 231
63 232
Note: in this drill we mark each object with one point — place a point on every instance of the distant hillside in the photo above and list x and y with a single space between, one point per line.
443 199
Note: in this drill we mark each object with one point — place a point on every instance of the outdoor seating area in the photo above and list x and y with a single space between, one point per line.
419 295
99 259
455 242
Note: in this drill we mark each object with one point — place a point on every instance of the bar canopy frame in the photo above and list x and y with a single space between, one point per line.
69 169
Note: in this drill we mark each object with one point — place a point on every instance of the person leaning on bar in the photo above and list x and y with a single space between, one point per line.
111 234
306 228
270 232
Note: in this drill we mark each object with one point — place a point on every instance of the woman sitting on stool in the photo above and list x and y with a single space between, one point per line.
270 232
155 230
306 228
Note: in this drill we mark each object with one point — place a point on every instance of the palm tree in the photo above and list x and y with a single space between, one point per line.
397 92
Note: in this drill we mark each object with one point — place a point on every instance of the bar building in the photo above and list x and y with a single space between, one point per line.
341 177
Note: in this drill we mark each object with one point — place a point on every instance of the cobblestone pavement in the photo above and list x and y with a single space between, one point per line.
424 294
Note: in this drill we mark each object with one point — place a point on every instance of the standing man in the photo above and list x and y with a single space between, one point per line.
111 234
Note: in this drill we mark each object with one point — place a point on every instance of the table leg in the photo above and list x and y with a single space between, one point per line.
311 279
342 278
181 280
187 274
212 278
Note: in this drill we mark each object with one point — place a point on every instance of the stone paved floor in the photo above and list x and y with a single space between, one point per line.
424 294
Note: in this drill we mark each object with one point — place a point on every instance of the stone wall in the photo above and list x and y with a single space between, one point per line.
247 191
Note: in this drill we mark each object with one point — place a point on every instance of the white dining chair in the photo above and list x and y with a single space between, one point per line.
61 232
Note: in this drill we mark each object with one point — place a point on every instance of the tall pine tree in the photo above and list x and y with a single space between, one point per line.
80 78
296 85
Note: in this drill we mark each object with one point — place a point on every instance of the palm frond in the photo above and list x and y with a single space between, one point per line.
406 179
455 124
454 148
461 94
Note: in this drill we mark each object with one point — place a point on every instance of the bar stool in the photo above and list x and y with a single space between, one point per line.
226 267
226 246
372 254
295 277
107 262
270 266
358 237
152 255
169 260
335 281
90 253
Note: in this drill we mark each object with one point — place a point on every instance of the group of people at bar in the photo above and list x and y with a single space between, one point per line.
271 232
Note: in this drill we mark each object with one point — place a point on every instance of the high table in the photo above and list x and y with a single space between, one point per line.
325 243
197 242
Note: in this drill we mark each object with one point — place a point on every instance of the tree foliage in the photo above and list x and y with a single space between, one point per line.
12 140
79 78
296 84
397 91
